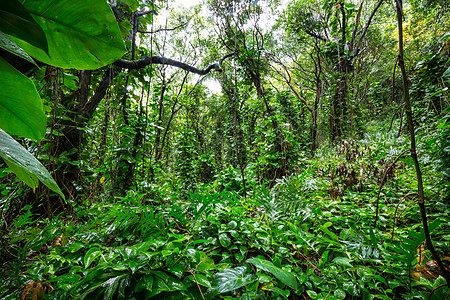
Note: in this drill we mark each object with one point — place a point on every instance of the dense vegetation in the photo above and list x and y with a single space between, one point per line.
232 149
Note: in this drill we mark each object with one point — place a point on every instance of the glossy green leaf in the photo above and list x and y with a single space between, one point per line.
66 278
16 21
284 276
312 294
145 283
230 280
121 293
343 261
224 240
20 105
176 270
80 34
164 282
75 246
9 45
202 280
90 256
277 290
339 294
134 266
159 286
232 225
325 229
24 165
111 286
175 284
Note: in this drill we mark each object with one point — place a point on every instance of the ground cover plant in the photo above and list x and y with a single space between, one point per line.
228 150
310 236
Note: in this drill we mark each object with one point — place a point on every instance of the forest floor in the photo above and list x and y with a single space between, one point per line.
313 235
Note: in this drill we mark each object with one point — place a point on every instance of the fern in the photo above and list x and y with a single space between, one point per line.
278 202
406 249
291 199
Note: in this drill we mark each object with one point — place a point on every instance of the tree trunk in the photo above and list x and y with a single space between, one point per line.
408 111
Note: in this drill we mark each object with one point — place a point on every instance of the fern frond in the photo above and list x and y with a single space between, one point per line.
406 250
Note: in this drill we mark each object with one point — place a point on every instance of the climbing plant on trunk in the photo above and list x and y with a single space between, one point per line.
341 34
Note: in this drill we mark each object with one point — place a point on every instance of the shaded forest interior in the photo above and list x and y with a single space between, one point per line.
226 150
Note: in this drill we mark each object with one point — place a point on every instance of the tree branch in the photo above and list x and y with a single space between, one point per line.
99 94
151 11
159 60
363 34
358 16
163 29
317 36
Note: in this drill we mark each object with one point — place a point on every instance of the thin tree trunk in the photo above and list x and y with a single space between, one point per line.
408 110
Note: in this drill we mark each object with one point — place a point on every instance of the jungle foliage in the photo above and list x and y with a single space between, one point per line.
232 149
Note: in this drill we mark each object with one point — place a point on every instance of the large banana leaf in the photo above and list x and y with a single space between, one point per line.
20 105
24 165
80 34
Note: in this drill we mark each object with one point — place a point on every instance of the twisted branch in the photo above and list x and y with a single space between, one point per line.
159 60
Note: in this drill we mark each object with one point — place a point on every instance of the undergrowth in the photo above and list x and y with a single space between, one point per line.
310 236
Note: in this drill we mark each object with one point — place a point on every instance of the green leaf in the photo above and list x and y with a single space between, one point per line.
80 34
16 21
165 283
284 276
446 74
75 246
202 280
277 290
20 105
92 254
232 225
176 270
445 36
406 250
224 240
66 278
230 280
339 294
111 287
312 294
125 26
121 289
343 261
145 283
373 238
9 45
325 229
134 265
174 284
159 286
132 4
24 165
